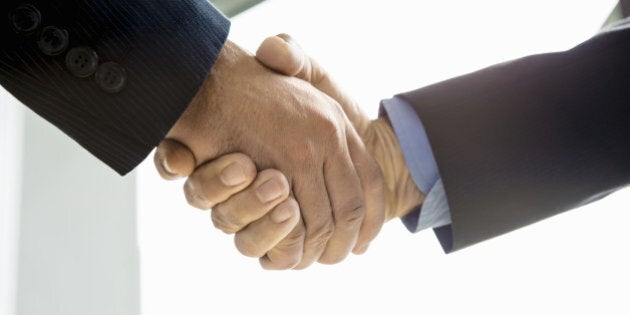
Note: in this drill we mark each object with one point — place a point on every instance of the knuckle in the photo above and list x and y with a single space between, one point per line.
248 246
334 134
317 236
287 254
303 152
223 222
191 192
288 262
328 124
303 264
324 118
351 217
292 242
331 259
326 133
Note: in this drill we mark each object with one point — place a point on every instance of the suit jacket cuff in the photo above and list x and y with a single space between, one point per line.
164 50
434 212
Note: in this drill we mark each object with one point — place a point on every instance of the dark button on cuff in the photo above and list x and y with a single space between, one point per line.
111 77
53 41
25 19
82 62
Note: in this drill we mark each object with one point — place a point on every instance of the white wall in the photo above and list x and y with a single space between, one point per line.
10 171
77 249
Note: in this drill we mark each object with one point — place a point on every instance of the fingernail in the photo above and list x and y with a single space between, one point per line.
167 168
233 175
284 37
269 191
281 213
288 39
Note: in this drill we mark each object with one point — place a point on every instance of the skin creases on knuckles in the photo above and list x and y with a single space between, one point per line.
280 122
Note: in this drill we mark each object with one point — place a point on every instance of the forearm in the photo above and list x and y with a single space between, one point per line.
401 194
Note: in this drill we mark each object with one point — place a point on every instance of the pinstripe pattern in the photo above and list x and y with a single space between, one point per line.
167 48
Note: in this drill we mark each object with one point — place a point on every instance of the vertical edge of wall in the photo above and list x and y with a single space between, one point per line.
78 250
10 170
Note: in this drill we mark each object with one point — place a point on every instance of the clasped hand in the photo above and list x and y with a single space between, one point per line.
330 177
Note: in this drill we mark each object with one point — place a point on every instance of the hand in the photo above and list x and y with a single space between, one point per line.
271 231
285 123
402 194
282 54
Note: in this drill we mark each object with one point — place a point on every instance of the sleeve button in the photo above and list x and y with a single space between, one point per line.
82 62
111 77
25 19
53 41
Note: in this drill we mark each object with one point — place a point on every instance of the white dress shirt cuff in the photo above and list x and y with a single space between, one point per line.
434 212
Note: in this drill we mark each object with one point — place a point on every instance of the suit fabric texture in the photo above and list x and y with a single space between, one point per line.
514 143
521 141
113 75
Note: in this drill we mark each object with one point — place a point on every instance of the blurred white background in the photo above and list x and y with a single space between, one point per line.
573 263
68 223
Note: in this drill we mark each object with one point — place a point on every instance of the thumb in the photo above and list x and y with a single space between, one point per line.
174 160
282 54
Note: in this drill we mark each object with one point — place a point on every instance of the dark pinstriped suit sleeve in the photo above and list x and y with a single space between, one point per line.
522 141
165 47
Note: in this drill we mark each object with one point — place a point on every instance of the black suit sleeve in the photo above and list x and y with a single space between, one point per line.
525 140
113 75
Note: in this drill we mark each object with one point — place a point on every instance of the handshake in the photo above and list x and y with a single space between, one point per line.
287 162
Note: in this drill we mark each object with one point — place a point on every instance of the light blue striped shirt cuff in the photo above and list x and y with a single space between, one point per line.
434 211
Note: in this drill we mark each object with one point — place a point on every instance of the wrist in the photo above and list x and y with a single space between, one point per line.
401 193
